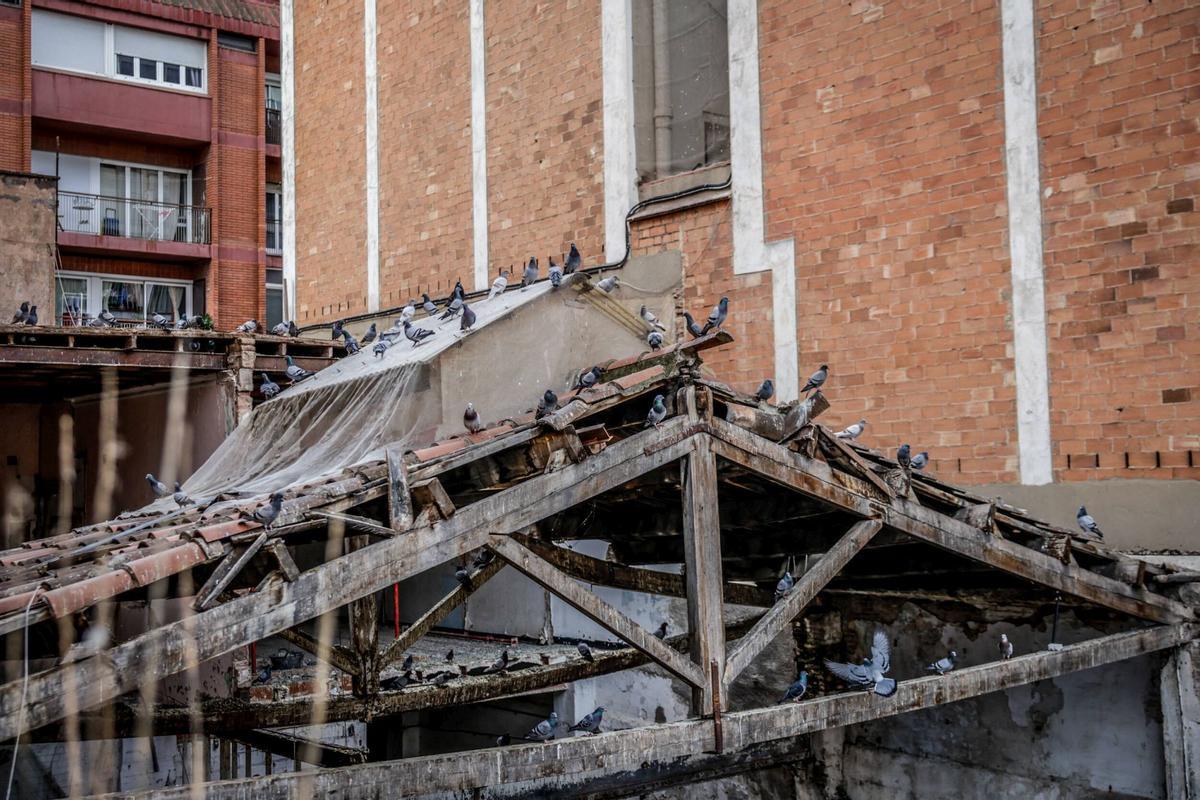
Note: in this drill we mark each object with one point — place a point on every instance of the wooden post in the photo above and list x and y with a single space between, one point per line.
364 630
702 569
400 511
1181 723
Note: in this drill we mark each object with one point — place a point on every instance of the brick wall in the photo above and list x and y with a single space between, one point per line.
14 77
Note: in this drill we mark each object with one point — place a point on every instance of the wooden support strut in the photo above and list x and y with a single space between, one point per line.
227 571
702 571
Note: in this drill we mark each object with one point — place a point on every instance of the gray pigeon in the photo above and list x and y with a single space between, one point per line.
591 377
693 328
180 497
716 317
817 379
22 314
499 285
161 322
920 461
449 659
661 631
944 665
463 576
651 319
441 679
608 284
31 318
852 431
655 340
471 420
416 335
556 273
452 309
658 412
352 347
158 487
396 682
545 729
590 723
766 391
531 273
266 514
427 304
585 651
797 690
904 456
574 260
293 331
369 336
500 664
104 319
407 312
337 329
408 663
503 740
263 675
483 558
249 326
1006 647
869 675
784 586
547 405
279 330
1087 523
382 345
268 387
296 373
468 318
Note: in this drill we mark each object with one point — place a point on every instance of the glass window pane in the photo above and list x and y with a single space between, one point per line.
71 301
274 307
123 299
124 65
170 301
111 211
195 76
170 73
274 96
172 218
148 69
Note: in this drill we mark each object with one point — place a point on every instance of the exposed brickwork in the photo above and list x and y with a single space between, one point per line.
14 109
126 266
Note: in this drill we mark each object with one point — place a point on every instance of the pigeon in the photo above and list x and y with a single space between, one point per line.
441 678
250 326
162 323
471 420
693 328
158 487
651 319
21 315
453 307
943 665
31 318
590 723
195 322
463 576
337 329
105 319
574 260
263 676
590 377
585 651
500 664
556 273
279 330
483 558
547 405
416 335
531 273
408 663
716 317
797 690
406 313
266 514
869 675
766 391
904 456
427 304
369 336
468 318
545 729
852 432
1087 523
382 346
293 331
296 373
608 284
658 412
920 461
268 387
396 682
1006 647
352 347
817 379
784 586
459 291
655 340
503 740
180 497
449 656
499 285
661 632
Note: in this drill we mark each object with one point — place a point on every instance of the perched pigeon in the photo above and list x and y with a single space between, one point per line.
920 461
547 405
556 273
441 679
180 497
944 665
396 682
158 487
503 740
22 314
852 431
797 690
471 420
268 387
766 391
459 291
904 456
531 273
651 319
716 317
655 340
369 336
453 307
263 676
591 377
279 330
104 319
296 373
574 260
352 347
661 632
483 558
1006 647
693 328
499 285
250 326
449 656
463 576
590 723
608 284
266 514
784 586
408 663
468 318
500 664
545 729
293 331
658 412
427 304
869 675
416 335
406 313
382 346
585 651
31 318
817 379
1087 523
337 329
162 323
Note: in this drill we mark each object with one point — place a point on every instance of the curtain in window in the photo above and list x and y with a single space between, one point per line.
170 301
71 301
174 219
110 210
124 299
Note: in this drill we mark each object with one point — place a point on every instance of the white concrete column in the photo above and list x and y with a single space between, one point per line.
287 78
1019 50
479 184
371 84
620 170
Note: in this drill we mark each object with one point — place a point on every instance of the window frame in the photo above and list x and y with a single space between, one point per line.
94 298
275 191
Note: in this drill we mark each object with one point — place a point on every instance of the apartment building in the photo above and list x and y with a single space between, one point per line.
161 122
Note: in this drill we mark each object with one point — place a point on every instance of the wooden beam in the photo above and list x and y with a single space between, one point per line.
860 467
400 510
287 565
661 744
356 523
226 571
364 632
167 649
430 497
1181 723
702 572
782 613
287 745
596 609
335 654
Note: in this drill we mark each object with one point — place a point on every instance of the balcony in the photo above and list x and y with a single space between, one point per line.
274 126
98 224
274 237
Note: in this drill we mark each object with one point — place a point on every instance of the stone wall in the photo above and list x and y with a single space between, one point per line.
27 209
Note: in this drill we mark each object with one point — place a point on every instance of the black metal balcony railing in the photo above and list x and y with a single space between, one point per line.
132 219
274 236
274 127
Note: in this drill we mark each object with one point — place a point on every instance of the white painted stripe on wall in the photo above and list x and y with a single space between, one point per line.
620 164
751 252
287 59
1025 242
479 182
372 125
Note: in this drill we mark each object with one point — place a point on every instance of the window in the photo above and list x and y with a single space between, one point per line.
81 296
274 309
125 65
146 203
170 73
273 100
681 86
237 42
274 219
72 301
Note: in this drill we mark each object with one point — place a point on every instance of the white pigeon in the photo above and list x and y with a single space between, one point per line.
499 285
651 319
852 431
406 314
1006 647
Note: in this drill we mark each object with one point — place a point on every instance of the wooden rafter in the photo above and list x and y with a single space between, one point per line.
702 571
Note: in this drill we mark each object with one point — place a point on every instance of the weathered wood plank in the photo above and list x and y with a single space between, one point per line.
702 572
286 745
861 468
596 609
364 632
400 509
431 495
335 654
1181 723
226 571
287 565
356 523
782 613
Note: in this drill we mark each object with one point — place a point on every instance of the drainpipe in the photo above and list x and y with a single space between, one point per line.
662 92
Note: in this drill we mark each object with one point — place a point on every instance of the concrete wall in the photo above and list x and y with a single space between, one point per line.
28 206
